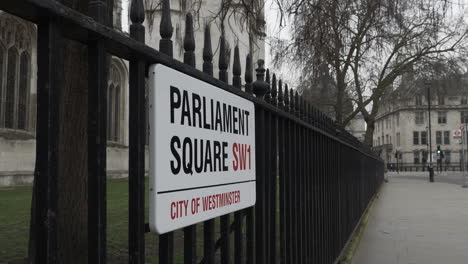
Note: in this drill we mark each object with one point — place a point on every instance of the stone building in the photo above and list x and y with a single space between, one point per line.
18 77
402 124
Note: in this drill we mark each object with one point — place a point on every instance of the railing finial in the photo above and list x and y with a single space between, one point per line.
260 87
236 69
297 104
165 29
280 93
274 91
286 97
207 52
137 12
248 74
291 101
268 92
222 64
189 41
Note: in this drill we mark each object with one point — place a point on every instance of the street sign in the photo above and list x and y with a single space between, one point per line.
457 133
202 151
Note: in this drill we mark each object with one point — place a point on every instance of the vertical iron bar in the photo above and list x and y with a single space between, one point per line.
282 181
137 129
260 88
238 216
249 221
209 225
274 173
225 219
289 176
190 232
166 241
50 61
97 140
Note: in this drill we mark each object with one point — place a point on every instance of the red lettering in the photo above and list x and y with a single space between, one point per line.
242 157
235 163
173 210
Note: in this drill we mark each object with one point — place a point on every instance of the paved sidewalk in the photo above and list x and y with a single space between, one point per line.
416 222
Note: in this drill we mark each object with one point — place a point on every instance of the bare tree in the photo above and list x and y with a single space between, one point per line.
368 44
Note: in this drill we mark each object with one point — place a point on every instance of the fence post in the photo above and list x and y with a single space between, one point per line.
190 232
97 139
249 221
225 219
274 172
260 88
50 61
137 129
209 225
166 241
238 215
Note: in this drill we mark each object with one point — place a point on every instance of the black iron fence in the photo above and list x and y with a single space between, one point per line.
314 180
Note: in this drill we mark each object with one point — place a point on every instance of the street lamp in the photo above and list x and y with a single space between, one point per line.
431 170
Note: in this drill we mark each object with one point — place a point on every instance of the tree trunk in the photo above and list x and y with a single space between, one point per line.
72 167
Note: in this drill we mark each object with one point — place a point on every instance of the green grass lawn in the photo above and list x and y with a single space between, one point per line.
15 205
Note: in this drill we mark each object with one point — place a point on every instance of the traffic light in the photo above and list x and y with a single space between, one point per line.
440 152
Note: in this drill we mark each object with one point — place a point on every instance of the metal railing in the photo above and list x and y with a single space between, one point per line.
314 179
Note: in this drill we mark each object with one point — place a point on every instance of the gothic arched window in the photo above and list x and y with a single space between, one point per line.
114 101
15 73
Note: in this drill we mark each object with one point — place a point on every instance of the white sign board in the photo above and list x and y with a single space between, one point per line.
202 151
457 133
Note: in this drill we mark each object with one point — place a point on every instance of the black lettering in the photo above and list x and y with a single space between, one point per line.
198 166
218 118
196 110
208 156
234 120
212 114
205 125
241 122
185 109
175 166
227 118
175 101
225 155
217 155
187 160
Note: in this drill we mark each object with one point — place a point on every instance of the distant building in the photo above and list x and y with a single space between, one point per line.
402 126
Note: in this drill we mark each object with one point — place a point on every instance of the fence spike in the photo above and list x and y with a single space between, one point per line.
165 29
297 105
207 52
291 101
268 92
236 69
260 87
286 97
222 65
189 41
137 12
248 74
280 93
274 91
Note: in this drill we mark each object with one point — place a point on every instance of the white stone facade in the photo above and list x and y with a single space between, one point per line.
402 126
